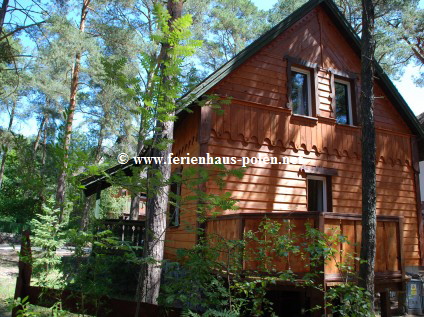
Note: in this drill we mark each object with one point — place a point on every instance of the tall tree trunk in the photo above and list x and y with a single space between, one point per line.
61 183
157 203
9 129
3 14
369 218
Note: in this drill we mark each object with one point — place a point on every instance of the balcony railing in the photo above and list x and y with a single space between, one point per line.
389 264
129 231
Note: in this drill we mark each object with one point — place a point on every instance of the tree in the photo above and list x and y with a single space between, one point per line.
174 38
61 182
3 14
369 192
157 204
225 27
12 89
5 147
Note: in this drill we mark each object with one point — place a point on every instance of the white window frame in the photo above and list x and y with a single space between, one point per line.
324 192
308 80
349 99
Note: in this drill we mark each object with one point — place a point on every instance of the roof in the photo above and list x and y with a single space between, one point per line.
420 118
346 29
94 183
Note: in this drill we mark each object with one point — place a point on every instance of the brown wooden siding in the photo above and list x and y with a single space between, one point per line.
263 78
258 122
186 141
282 188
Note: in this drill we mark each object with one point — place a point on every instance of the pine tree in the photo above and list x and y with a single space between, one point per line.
61 182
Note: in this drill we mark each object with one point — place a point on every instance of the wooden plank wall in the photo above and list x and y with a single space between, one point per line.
387 258
258 123
186 141
236 228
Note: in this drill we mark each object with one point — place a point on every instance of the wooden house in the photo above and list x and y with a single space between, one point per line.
295 93
421 177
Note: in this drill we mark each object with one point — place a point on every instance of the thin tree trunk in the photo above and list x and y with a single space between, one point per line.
369 218
157 203
135 197
135 206
3 165
40 131
3 14
9 129
89 201
43 158
61 183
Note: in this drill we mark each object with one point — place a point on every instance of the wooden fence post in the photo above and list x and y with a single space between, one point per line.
25 270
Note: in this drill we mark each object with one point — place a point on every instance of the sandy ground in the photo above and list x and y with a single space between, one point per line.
8 273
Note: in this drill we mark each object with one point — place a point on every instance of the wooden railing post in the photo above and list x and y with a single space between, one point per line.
25 271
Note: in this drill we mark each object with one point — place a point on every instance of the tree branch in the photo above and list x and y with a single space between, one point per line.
20 29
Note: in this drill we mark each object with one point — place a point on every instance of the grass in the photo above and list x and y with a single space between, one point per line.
8 274
7 289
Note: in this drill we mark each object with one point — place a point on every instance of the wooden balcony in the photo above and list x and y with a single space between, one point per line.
127 231
389 266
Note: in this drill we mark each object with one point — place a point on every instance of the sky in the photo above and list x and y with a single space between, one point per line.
414 96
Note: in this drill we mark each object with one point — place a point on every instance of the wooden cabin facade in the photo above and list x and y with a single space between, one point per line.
295 92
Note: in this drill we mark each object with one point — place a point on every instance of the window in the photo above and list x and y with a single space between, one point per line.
343 102
300 93
317 193
174 201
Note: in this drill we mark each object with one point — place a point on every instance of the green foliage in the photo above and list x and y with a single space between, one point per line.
112 207
48 235
349 300
24 307
209 278
110 269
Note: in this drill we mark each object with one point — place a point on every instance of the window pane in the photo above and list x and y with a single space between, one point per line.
342 103
174 201
299 93
174 209
315 195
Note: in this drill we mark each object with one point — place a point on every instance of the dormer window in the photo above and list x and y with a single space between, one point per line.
343 102
300 94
